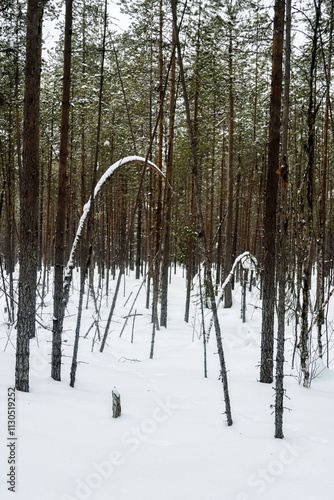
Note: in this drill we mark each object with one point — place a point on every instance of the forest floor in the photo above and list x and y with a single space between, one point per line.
171 441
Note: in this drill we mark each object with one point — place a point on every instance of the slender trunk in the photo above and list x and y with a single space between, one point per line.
157 249
139 237
282 239
308 215
29 195
253 167
89 230
221 216
269 240
62 201
19 165
83 116
83 274
190 266
112 308
168 193
322 201
208 265
236 215
47 231
139 202
191 263
9 193
229 215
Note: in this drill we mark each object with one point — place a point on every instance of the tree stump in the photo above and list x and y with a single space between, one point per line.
116 403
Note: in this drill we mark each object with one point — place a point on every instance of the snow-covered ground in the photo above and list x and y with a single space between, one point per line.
171 441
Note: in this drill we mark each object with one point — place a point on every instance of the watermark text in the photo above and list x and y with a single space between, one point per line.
11 439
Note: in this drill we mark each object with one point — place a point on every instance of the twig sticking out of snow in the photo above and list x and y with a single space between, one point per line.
116 403
123 359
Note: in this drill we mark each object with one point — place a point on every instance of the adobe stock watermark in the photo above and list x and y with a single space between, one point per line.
39 359
131 441
259 481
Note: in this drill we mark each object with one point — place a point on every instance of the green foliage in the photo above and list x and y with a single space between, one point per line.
183 236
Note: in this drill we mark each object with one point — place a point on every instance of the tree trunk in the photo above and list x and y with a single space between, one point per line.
308 210
229 215
47 235
90 222
29 195
269 239
192 244
322 201
168 194
221 216
62 201
282 239
157 243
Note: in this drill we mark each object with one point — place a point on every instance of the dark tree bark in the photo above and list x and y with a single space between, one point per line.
29 195
192 244
282 239
47 235
61 205
157 243
308 222
221 216
89 230
191 251
112 308
83 197
229 215
269 236
168 194
321 240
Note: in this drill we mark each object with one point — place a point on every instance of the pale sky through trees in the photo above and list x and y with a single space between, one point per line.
118 22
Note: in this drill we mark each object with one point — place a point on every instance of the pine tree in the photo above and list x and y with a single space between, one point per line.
29 195
62 202
269 243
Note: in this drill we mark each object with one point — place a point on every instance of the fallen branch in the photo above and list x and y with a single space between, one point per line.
128 359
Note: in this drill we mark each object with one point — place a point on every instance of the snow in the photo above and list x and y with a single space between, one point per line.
115 392
171 441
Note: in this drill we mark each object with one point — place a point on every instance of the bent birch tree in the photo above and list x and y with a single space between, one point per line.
86 209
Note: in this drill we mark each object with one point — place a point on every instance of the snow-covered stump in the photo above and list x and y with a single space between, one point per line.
116 403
